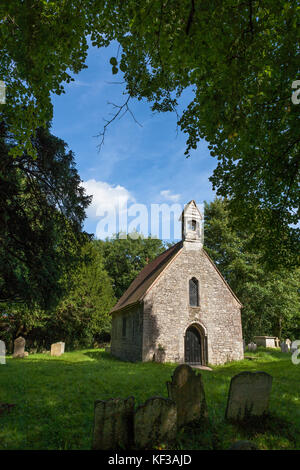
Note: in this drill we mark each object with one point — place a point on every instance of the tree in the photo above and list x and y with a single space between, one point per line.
124 258
41 44
270 298
239 58
81 316
42 208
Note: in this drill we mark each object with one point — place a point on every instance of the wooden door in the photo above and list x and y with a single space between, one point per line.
193 349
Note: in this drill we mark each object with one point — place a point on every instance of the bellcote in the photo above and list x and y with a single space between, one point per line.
191 224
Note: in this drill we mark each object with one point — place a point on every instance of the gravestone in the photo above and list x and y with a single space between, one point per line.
277 343
249 395
113 424
284 347
265 341
57 349
252 347
19 348
186 389
288 342
155 422
2 352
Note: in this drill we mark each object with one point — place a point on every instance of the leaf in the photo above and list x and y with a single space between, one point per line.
113 61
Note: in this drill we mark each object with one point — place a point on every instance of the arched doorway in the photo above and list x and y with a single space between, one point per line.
193 346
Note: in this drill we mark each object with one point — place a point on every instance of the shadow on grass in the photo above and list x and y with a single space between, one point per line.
268 424
100 355
208 435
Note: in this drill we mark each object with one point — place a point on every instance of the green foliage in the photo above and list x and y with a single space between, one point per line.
270 298
42 208
41 44
239 58
80 319
55 396
20 320
125 257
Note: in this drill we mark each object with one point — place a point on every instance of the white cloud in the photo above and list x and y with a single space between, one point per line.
106 197
169 196
106 213
114 209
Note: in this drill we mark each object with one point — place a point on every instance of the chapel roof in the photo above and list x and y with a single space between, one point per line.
144 280
146 277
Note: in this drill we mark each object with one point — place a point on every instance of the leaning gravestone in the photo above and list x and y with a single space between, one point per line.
19 348
155 422
288 342
252 347
2 352
57 349
249 395
113 424
186 389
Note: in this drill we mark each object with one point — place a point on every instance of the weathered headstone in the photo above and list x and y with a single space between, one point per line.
288 342
277 343
186 389
57 349
19 348
155 422
252 347
284 347
249 395
113 424
2 352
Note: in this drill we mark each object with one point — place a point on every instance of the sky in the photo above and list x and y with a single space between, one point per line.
141 165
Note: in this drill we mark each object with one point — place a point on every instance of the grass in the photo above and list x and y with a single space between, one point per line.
55 396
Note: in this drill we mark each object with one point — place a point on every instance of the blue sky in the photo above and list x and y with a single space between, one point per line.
137 164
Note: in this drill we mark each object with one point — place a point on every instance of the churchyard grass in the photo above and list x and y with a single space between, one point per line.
54 398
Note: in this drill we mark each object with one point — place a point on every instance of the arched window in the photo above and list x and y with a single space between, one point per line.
194 294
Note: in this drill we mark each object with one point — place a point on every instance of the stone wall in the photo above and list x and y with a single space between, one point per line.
167 313
129 346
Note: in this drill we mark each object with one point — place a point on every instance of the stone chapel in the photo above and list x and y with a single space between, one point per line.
179 308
